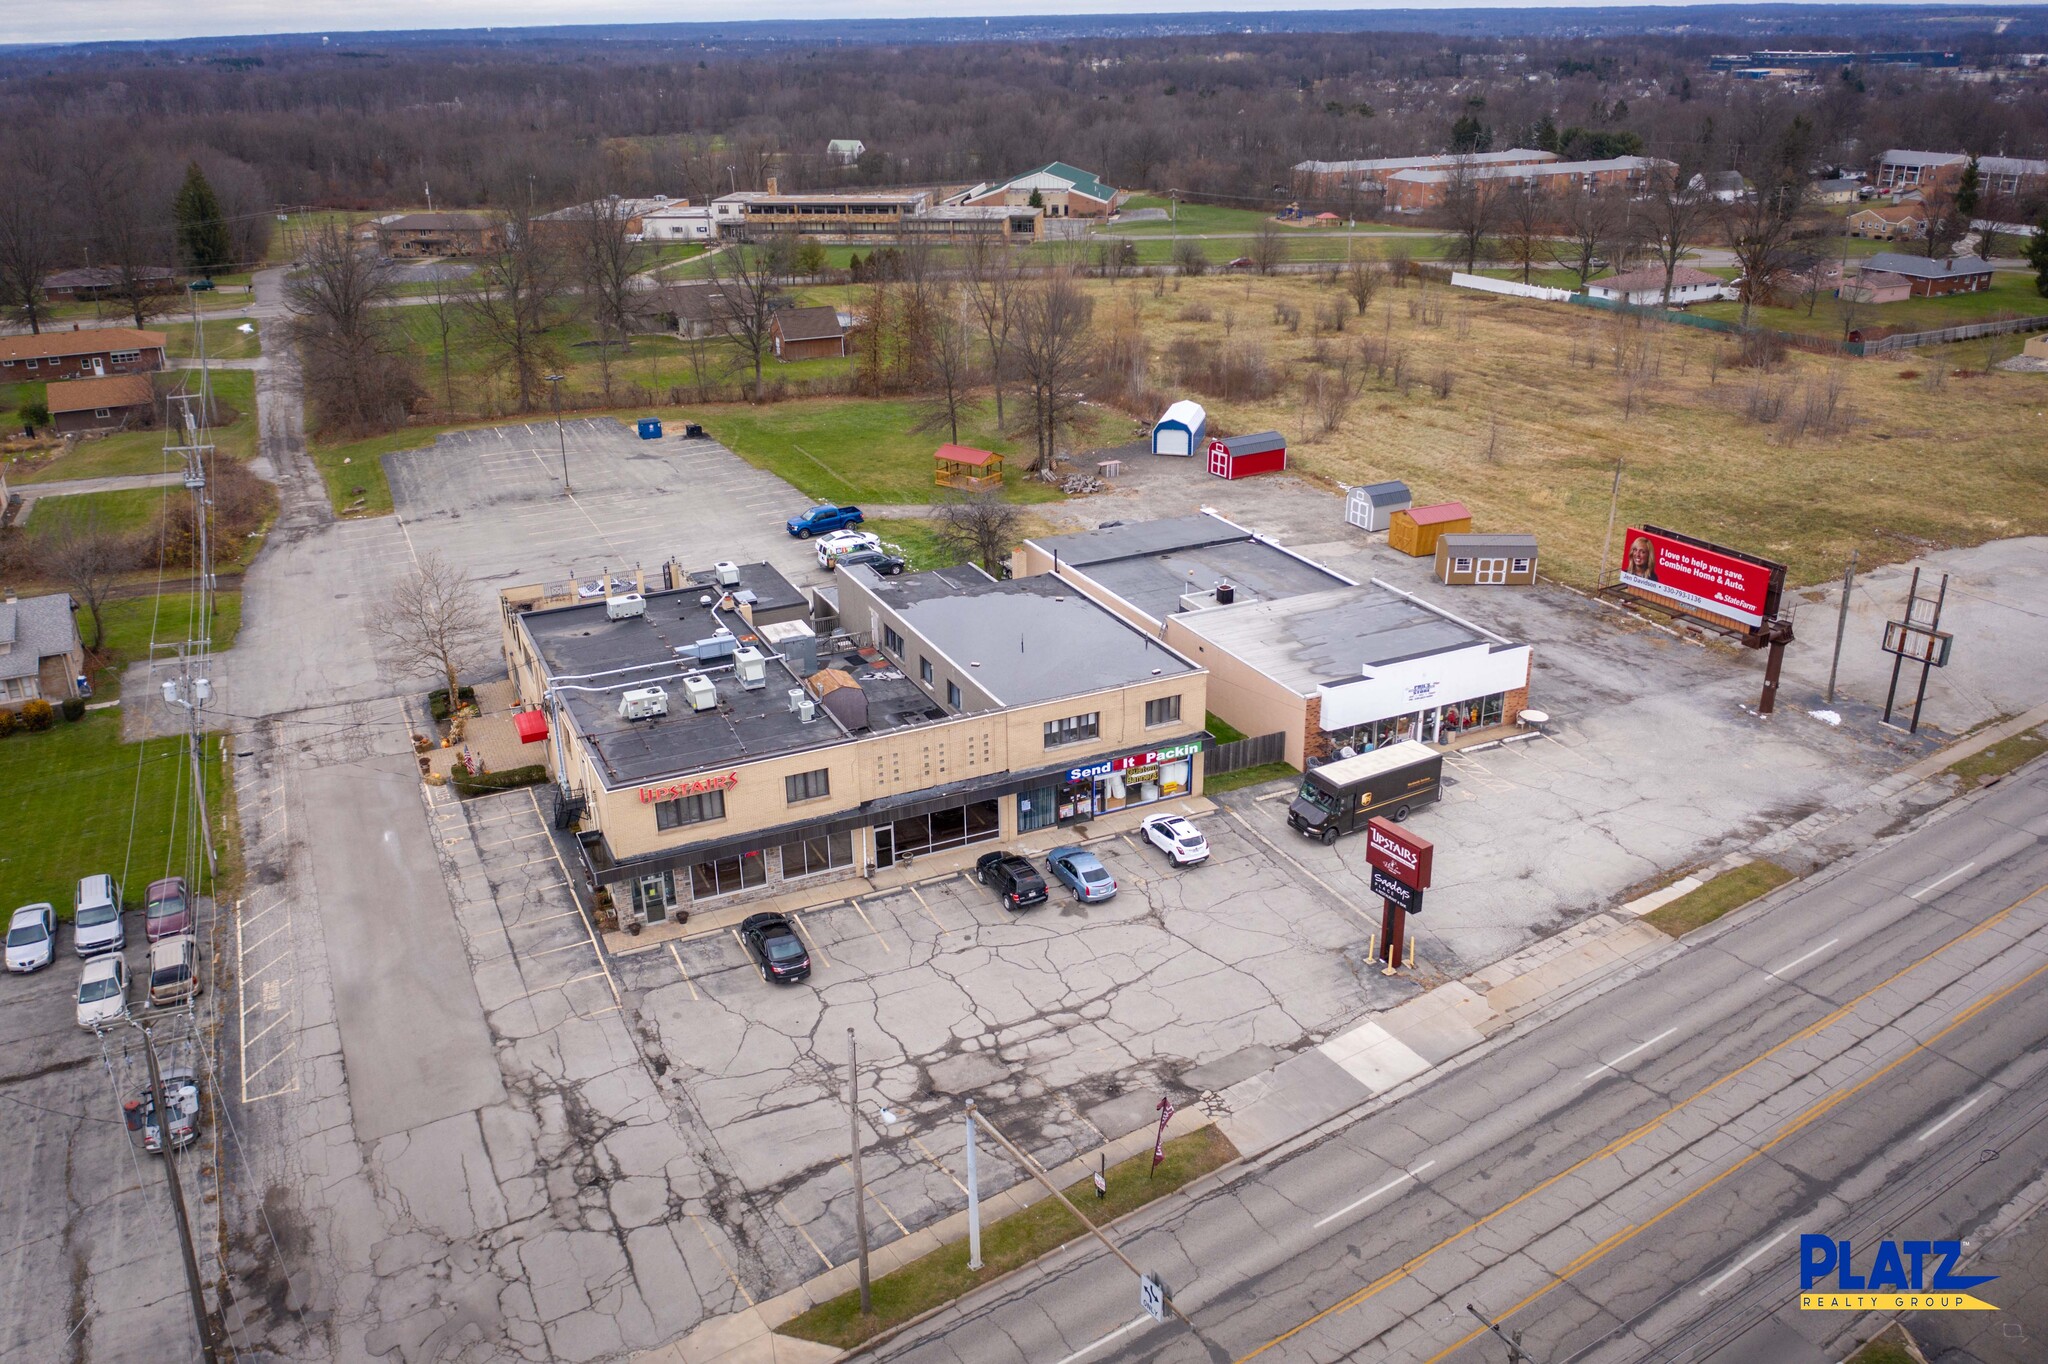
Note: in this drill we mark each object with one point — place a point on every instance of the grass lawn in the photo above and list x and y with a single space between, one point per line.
114 803
122 512
142 452
354 470
1222 729
1257 775
1887 1347
2009 294
918 541
858 450
1728 891
942 1275
2005 756
132 622
1188 217
225 339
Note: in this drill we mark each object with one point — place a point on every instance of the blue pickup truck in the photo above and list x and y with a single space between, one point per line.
819 520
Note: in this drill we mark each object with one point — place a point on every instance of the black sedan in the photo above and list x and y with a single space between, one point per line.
773 941
1013 878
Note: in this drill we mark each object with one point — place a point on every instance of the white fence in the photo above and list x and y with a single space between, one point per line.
1486 284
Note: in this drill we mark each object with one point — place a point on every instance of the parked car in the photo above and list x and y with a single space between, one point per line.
1081 872
818 520
96 917
103 991
31 938
166 909
1011 877
838 542
174 971
1179 839
880 560
774 943
181 1096
204 286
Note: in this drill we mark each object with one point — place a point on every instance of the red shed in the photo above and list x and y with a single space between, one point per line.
1243 456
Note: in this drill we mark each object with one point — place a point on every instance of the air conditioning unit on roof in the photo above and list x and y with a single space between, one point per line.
643 703
728 573
625 606
699 692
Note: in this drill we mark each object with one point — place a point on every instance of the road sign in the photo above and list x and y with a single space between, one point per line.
1166 1111
1101 1185
1403 897
1406 857
1152 1296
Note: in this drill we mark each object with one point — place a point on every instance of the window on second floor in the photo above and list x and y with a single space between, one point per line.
1163 710
804 786
673 814
953 695
892 641
924 671
1073 730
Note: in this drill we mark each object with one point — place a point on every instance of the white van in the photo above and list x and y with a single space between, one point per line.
96 917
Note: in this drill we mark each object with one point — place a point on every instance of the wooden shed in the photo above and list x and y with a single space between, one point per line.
1182 429
1372 505
1243 456
1464 559
1415 531
963 466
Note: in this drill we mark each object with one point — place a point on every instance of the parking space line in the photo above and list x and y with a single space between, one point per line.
516 838
810 938
1340 899
267 1027
928 912
685 974
240 950
822 1257
545 918
570 886
869 922
875 1194
936 1161
713 1245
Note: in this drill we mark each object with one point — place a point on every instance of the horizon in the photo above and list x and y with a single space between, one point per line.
170 21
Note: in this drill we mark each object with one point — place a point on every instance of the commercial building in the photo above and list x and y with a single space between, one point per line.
41 657
1314 178
563 224
944 715
79 354
961 222
1291 646
1061 190
413 235
751 213
1900 169
679 221
1417 191
117 402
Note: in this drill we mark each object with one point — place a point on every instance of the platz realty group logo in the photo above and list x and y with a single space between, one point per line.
1905 1276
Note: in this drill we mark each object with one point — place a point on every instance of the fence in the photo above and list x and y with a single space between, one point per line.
1488 285
1878 345
1230 757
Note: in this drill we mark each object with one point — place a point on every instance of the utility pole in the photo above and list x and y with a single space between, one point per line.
1613 501
860 1185
973 1197
188 691
163 1126
1841 623
555 385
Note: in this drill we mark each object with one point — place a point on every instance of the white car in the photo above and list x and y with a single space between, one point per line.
840 542
103 992
96 924
1181 841
31 938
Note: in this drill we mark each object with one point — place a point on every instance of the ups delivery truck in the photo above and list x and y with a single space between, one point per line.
1339 797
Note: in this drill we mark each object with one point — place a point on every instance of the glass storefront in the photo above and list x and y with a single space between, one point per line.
814 853
724 875
1038 808
953 826
1120 783
1435 725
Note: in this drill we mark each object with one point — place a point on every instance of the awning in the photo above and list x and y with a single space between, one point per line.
532 726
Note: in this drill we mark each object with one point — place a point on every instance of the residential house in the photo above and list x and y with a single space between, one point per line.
1645 287
412 235
807 333
692 310
1900 169
2012 177
1889 222
1875 286
41 655
845 150
1832 192
79 353
117 402
1417 191
1316 178
97 281
1063 191
1934 278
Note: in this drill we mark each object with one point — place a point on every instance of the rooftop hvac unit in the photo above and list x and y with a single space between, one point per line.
625 606
728 573
715 648
643 703
698 691
797 697
752 666
807 710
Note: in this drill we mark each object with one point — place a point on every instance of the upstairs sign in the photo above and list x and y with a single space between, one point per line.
1398 853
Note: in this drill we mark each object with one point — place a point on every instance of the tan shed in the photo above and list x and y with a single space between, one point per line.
1503 560
1416 530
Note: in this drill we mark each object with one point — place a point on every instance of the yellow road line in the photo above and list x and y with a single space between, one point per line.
1402 1270
928 912
686 975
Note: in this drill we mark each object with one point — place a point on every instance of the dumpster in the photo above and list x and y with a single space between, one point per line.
650 428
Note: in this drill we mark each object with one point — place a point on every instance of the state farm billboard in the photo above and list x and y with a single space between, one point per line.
1701 579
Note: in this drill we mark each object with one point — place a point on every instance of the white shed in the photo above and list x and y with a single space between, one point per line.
1183 430
1371 505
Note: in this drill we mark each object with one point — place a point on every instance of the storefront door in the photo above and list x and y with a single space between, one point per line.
653 895
885 845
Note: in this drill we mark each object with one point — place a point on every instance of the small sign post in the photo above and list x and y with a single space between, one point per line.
1102 1177
1159 1143
1152 1296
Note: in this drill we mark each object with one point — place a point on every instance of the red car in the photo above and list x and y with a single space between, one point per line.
167 910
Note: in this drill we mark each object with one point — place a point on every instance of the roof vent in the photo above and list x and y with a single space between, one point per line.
704 600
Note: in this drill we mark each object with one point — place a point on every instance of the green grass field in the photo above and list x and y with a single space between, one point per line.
133 622
225 339
142 452
1729 891
100 805
2009 294
125 511
918 541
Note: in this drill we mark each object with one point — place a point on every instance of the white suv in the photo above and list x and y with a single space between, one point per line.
96 925
839 542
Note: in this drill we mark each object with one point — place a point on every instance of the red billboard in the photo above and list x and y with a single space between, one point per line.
1699 578
1398 853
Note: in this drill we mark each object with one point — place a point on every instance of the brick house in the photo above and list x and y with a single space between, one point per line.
1417 191
79 354
807 333
1933 278
1890 222
41 655
1900 169
439 234
118 402
2012 177
96 281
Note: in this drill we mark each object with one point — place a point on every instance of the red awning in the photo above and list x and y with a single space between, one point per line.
532 726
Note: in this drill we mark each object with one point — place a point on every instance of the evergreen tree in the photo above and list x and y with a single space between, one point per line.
1545 139
1967 190
202 234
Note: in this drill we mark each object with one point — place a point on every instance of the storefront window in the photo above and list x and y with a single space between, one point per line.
953 827
815 853
728 874
1037 808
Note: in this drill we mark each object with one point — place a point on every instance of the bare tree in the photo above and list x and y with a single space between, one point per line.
1361 281
746 304
1470 212
1524 224
993 274
85 555
433 622
605 263
441 307
511 304
1191 258
1772 151
1679 211
359 376
130 229
981 526
1269 246
1053 351
949 368
28 244
1595 226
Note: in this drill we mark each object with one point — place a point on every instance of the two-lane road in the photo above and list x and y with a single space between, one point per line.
1627 1180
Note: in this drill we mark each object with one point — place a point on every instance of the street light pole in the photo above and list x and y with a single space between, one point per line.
860 1187
555 387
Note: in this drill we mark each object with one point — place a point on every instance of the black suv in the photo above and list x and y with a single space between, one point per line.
1016 880
780 951
880 560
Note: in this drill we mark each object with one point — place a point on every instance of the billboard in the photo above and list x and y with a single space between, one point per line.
1724 586
1398 853
1402 895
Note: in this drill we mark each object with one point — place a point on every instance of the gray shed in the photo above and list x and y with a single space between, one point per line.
1370 506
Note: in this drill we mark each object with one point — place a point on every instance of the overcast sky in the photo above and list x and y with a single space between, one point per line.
43 21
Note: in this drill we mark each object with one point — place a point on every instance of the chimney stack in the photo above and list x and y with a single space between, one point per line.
774 185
